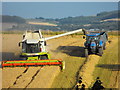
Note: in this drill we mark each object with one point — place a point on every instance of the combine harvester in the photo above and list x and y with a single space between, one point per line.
34 52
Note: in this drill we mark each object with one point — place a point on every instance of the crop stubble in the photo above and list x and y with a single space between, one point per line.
67 48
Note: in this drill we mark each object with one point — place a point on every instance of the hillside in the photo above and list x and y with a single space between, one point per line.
12 19
91 22
101 21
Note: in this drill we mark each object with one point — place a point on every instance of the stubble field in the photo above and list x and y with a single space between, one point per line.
71 50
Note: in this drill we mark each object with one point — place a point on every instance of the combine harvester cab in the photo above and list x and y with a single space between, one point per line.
34 46
34 52
95 43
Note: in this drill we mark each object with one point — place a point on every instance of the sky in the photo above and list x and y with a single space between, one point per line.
56 9
60 0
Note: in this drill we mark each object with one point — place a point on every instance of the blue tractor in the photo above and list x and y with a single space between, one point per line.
95 43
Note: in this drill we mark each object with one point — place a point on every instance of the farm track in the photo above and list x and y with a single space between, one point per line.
87 69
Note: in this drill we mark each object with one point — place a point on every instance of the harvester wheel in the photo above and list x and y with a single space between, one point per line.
63 65
86 52
23 58
43 57
100 51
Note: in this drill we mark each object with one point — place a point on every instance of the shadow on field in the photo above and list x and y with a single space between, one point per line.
113 67
9 56
72 50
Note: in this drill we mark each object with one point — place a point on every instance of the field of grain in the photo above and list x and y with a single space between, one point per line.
92 68
68 48
27 78
108 66
42 23
23 77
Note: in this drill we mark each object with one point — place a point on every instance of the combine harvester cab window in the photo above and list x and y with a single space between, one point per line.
32 48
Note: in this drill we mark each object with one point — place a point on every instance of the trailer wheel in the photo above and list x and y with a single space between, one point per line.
86 52
100 51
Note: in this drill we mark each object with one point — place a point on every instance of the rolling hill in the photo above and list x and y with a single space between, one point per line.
101 21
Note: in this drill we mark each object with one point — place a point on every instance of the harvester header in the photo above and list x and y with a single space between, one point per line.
27 63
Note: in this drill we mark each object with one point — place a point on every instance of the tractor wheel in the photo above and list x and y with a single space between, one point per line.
104 47
86 52
100 51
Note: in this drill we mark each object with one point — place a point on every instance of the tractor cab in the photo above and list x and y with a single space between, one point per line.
92 37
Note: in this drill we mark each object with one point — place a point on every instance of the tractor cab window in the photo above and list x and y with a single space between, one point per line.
92 38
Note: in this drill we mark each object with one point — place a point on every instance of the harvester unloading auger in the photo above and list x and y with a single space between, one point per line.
34 52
